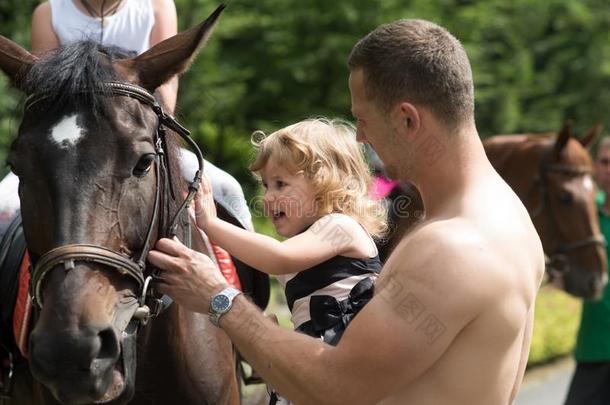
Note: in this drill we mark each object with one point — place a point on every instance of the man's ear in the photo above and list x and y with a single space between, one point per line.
410 116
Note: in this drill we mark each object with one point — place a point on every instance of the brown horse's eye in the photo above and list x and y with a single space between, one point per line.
144 164
565 198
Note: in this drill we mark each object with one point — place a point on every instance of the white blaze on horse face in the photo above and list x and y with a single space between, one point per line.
67 133
588 183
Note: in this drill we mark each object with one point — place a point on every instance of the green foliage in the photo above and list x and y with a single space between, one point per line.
556 322
273 62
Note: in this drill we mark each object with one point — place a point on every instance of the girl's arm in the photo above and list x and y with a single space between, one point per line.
329 236
166 25
43 36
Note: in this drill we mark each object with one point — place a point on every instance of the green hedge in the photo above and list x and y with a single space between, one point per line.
555 326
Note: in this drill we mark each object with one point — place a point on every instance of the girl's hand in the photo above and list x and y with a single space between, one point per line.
205 209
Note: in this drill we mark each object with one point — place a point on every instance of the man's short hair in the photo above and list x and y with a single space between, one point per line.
418 61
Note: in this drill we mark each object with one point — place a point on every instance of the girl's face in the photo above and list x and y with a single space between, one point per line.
289 199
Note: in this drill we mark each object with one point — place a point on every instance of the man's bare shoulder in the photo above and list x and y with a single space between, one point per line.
450 261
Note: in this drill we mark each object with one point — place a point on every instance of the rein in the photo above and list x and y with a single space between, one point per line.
133 267
557 264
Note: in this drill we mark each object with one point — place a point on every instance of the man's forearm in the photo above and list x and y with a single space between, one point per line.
282 357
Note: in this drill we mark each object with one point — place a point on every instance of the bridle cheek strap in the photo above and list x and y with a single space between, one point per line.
557 263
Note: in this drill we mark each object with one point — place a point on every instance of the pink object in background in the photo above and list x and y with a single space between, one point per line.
381 187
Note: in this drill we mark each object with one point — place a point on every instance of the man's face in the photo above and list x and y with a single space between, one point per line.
602 169
372 126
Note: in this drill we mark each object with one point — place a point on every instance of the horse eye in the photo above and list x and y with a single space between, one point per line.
144 164
565 198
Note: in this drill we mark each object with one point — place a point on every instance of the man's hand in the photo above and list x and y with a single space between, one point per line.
189 277
205 210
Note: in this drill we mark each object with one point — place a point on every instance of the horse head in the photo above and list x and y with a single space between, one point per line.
95 197
571 234
552 174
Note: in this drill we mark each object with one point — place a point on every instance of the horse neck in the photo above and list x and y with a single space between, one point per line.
185 353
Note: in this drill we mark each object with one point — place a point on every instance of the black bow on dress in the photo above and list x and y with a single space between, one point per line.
330 317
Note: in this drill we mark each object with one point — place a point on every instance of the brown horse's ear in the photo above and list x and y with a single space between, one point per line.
168 58
15 61
562 138
590 137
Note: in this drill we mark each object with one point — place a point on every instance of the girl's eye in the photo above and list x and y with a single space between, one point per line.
280 184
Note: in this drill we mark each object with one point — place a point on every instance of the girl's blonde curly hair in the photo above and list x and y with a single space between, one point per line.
327 153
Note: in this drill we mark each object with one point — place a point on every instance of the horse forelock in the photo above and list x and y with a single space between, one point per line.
74 74
574 154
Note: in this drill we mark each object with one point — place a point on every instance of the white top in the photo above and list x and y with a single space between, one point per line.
9 196
128 28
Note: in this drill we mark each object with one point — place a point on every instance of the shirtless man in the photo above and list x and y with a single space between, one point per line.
452 316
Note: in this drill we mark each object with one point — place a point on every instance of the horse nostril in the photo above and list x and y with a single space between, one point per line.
109 344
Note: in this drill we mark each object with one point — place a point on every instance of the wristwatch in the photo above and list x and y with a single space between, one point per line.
221 303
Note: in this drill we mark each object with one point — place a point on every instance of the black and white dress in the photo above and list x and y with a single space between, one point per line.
325 298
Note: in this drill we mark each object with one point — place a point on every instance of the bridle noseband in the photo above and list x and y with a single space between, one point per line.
132 267
556 263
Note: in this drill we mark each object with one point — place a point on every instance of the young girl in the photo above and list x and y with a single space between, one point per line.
316 185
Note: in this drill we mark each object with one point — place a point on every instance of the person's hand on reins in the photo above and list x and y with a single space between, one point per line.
189 277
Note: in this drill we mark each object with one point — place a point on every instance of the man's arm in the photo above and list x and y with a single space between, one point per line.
166 25
421 304
412 320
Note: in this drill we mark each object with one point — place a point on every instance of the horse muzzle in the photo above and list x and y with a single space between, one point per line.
79 366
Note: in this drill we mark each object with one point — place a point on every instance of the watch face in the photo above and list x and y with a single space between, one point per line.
221 303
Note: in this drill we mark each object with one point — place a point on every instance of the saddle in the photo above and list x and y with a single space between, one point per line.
12 254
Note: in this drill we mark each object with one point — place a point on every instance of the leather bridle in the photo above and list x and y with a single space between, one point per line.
133 267
557 263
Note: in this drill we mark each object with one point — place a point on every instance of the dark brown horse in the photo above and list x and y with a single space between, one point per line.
552 174
97 188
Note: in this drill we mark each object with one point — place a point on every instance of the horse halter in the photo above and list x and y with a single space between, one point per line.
129 266
557 263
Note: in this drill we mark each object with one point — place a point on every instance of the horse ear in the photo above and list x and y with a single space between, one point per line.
591 136
170 57
562 138
15 61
